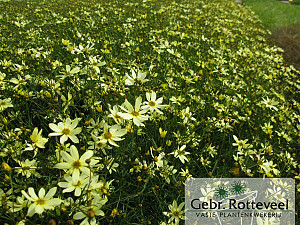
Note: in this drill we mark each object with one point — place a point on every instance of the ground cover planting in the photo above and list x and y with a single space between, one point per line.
107 107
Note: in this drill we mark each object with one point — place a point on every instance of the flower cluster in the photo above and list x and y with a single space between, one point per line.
106 108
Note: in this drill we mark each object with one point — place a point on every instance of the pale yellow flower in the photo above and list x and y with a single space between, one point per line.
89 213
37 139
66 130
152 103
136 113
27 167
5 103
41 202
181 154
136 78
176 213
112 134
73 163
74 183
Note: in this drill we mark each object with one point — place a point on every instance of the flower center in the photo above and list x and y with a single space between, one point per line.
135 113
78 184
107 135
91 213
25 167
77 164
99 144
66 131
104 190
176 213
152 103
40 202
279 196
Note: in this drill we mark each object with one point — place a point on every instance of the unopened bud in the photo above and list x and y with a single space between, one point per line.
52 222
6 167
4 120
7 178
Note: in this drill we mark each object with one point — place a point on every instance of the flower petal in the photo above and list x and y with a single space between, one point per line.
39 209
42 193
79 216
86 156
54 127
51 193
31 210
62 166
74 152
32 193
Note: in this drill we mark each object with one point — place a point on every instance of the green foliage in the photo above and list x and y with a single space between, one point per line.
117 103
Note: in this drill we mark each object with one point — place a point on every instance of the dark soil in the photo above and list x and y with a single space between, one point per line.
288 38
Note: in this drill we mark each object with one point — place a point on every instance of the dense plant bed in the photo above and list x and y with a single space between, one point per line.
107 107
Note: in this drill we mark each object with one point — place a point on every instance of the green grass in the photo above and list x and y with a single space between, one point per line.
275 14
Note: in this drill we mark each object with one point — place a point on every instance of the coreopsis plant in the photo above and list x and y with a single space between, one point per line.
152 103
136 113
241 144
76 182
5 103
37 141
270 103
180 153
144 85
115 113
111 134
41 202
69 72
90 212
66 130
136 78
27 168
73 163
176 212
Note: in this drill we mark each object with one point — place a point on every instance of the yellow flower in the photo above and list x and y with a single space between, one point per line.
152 103
66 130
176 212
89 213
180 153
136 79
5 103
73 163
136 114
74 183
41 202
162 132
112 134
27 167
37 138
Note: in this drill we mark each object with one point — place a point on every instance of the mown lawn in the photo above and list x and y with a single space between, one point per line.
107 107
275 14
283 20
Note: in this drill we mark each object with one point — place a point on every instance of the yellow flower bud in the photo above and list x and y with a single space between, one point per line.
7 178
168 143
48 94
4 120
6 167
163 133
99 109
